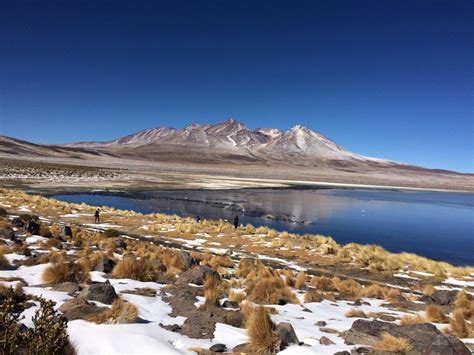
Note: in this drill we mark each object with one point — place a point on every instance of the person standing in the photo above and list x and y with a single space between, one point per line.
97 216
236 221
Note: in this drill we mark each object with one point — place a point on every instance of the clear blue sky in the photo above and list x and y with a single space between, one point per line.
391 78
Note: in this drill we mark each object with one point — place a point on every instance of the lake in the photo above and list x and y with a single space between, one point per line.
438 225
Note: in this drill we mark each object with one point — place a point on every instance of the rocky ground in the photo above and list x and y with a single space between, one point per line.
164 284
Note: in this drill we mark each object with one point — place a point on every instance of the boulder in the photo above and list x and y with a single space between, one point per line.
441 297
99 292
66 232
345 352
320 323
17 222
425 338
32 227
105 265
325 341
195 275
79 308
3 212
230 304
120 244
186 259
287 334
242 348
218 348
7 233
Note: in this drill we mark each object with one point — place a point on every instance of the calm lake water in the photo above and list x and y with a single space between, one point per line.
438 225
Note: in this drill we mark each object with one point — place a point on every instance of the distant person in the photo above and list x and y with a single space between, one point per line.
97 216
198 219
236 221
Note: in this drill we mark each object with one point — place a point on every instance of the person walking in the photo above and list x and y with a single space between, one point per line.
198 219
236 221
97 216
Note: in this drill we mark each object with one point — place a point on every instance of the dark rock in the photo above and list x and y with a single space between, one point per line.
387 318
282 302
360 350
69 287
120 244
345 352
67 232
195 275
357 303
186 259
79 308
287 334
320 323
32 227
425 338
218 348
100 292
307 310
325 341
171 327
158 265
7 233
105 265
3 212
230 304
441 297
17 222
201 324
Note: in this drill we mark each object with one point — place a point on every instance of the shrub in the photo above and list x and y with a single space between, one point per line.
49 334
260 329
135 269
120 312
457 325
9 317
389 343
435 314
211 289
65 271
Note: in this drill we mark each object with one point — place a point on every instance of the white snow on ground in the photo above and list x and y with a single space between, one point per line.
189 242
13 257
102 225
31 274
71 215
405 276
35 239
283 261
422 273
453 281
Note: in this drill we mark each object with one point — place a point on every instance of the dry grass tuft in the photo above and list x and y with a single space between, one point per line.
300 280
389 343
4 263
135 269
428 290
260 330
321 283
458 326
435 314
313 296
355 313
236 296
65 272
211 290
120 312
269 290
464 304
410 320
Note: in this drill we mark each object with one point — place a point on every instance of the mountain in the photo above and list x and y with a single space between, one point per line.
231 140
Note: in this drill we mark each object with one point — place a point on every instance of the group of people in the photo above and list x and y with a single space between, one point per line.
198 218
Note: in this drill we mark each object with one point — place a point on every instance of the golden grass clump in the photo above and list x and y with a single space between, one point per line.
389 343
355 313
236 296
313 296
65 272
410 320
120 312
347 287
322 283
269 290
211 290
428 290
136 269
435 314
463 303
375 291
458 326
260 329
300 280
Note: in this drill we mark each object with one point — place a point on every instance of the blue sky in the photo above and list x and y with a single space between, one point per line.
390 79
